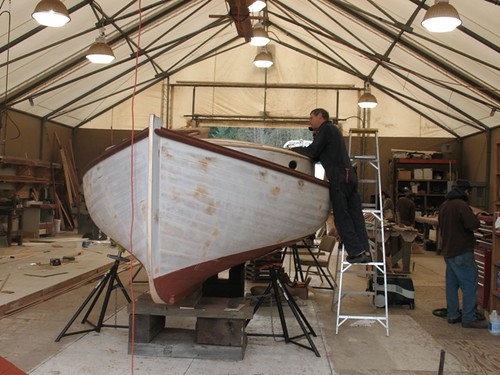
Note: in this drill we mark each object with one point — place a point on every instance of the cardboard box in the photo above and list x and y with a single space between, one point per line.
404 175
427 173
418 174
432 235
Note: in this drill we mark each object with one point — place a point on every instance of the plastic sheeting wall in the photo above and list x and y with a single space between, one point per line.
390 117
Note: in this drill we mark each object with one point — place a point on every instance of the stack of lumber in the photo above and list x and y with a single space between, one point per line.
70 200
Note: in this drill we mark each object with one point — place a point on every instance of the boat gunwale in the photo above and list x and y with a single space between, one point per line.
199 143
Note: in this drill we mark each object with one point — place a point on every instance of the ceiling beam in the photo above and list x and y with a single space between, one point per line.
72 64
439 63
240 14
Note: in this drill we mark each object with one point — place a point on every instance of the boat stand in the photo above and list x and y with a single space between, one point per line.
113 281
277 284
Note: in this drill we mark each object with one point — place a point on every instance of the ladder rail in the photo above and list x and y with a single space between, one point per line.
376 267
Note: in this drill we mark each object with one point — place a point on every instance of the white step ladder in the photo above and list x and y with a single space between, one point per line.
376 269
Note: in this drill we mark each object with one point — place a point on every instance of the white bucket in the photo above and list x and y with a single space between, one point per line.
57 225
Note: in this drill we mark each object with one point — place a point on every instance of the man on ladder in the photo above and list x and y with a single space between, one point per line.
328 147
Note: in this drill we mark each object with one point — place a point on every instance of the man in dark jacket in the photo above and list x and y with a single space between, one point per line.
457 223
328 147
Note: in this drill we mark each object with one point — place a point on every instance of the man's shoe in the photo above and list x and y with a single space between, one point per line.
455 320
364 257
475 324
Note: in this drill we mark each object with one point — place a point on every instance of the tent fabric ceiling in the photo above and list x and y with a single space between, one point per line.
450 79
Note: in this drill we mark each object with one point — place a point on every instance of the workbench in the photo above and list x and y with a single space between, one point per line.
400 242
429 223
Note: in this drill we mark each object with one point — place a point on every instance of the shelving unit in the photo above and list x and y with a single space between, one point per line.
495 265
23 181
495 255
428 179
482 255
496 180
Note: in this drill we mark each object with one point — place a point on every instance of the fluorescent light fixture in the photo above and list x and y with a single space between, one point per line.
256 6
51 13
441 18
100 52
367 100
260 37
263 60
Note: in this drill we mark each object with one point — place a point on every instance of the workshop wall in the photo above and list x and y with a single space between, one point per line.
24 136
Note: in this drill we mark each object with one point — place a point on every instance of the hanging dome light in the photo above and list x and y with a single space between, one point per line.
441 17
51 13
263 60
367 100
260 37
255 6
100 52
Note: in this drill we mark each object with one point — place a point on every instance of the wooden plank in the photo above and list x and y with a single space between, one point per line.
63 211
208 307
25 161
67 179
55 290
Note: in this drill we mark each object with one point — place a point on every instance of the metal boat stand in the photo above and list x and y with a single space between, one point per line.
277 284
113 281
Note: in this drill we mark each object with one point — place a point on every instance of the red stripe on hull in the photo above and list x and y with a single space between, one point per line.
178 285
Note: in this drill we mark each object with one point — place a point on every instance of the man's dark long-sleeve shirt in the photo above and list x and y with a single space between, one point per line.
457 223
329 148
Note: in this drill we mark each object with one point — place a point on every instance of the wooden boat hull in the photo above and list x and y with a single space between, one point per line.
194 208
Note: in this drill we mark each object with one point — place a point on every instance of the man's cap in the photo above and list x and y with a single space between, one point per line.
463 184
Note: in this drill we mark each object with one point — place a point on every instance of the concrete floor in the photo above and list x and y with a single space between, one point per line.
417 337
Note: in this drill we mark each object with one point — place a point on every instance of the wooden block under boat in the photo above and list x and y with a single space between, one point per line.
219 334
229 332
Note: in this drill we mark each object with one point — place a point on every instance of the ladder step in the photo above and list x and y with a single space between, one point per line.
345 262
363 130
364 157
375 211
374 317
359 272
367 181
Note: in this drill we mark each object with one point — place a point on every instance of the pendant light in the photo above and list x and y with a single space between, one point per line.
260 37
255 6
367 100
100 52
441 17
51 13
263 59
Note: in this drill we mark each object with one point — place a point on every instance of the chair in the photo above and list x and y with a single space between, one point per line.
318 263
312 242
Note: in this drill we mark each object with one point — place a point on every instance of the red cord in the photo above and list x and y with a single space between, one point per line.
132 192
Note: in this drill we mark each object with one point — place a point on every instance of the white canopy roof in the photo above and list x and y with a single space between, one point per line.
324 52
